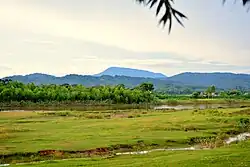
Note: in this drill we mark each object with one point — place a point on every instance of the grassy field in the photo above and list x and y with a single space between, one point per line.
124 130
236 155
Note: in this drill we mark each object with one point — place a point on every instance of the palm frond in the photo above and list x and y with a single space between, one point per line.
245 2
170 12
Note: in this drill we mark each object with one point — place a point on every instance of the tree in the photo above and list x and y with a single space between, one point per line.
213 89
195 95
146 87
19 92
170 12
209 91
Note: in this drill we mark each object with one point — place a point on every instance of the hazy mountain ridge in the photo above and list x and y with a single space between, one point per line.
121 71
88 80
179 81
221 80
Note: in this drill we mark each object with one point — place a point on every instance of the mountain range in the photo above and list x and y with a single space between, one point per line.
132 77
121 71
220 80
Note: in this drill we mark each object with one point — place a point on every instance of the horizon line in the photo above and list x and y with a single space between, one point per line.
96 75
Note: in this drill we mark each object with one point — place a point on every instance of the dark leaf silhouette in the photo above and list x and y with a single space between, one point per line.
170 12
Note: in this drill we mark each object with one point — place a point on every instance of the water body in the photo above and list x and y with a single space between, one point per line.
154 150
238 138
196 106
83 107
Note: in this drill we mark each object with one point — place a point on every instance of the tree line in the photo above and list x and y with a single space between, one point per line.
16 91
211 92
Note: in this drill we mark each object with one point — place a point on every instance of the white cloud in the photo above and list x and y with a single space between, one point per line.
39 42
4 68
50 36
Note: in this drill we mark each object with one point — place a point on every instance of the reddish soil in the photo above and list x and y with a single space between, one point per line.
97 151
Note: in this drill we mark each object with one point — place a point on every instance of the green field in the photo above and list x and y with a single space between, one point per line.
235 155
125 130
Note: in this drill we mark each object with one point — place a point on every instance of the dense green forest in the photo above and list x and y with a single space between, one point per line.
16 91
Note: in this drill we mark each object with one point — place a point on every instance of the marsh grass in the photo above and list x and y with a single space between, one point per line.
72 106
233 155
26 133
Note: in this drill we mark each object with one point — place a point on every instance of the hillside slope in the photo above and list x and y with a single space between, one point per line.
193 81
87 80
220 80
121 71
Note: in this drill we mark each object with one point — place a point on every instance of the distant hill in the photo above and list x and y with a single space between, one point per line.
36 78
184 82
220 80
121 71
86 80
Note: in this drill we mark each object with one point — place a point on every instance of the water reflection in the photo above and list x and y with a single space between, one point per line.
197 106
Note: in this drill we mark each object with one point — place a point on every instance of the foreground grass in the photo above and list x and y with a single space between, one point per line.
234 155
74 130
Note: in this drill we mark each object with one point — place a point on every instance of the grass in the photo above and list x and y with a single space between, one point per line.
234 155
58 106
102 106
137 129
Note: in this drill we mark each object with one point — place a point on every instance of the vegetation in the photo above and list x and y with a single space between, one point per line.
15 94
184 83
25 136
229 94
19 92
167 86
234 155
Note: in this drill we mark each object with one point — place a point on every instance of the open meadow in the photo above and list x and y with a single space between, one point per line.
92 83
96 136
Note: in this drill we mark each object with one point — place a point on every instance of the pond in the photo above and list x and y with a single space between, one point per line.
120 107
198 106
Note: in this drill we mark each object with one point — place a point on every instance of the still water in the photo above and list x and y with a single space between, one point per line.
197 106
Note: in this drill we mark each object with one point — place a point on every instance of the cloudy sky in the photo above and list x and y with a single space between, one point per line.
85 37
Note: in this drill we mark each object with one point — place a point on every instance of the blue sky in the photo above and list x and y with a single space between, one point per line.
85 37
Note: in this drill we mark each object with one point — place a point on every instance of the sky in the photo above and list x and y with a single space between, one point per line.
60 37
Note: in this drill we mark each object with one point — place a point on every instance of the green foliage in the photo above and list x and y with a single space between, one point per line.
244 123
146 87
195 95
213 89
19 92
234 93
160 85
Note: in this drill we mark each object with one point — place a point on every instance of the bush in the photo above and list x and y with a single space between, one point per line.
244 123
